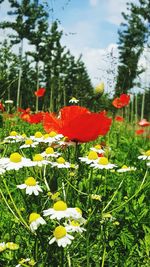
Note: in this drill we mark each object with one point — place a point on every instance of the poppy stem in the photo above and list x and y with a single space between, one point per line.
36 104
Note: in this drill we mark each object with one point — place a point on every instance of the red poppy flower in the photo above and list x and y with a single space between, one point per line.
25 116
1 106
77 123
144 123
121 101
119 118
40 92
139 132
27 110
125 99
36 118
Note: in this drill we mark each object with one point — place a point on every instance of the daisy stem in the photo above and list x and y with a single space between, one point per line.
103 258
62 257
90 181
63 189
135 194
6 202
36 249
115 193
87 246
45 181
17 210
68 258
105 183
36 104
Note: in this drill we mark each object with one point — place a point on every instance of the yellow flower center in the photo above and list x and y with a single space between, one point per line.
147 153
73 99
30 181
61 160
12 246
38 135
60 232
15 157
13 133
24 135
92 155
60 206
124 167
78 210
74 223
52 134
33 217
2 247
97 147
49 150
46 136
38 157
28 142
103 161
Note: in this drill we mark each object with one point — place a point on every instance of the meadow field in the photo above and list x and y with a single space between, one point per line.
74 189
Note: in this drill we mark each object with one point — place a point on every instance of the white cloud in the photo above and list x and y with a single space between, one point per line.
93 2
114 9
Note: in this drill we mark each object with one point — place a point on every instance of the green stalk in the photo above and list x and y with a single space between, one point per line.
104 255
136 107
45 181
20 74
135 194
68 258
143 105
87 246
6 202
17 210
37 104
115 193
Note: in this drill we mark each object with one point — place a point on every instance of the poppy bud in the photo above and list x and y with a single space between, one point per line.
99 89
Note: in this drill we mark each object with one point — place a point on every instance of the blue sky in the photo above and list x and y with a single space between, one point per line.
95 21
90 28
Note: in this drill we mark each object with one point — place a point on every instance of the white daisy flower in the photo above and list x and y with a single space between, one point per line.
124 168
73 100
145 155
9 101
60 210
98 149
91 158
2 170
37 137
103 163
35 220
74 226
64 143
39 161
61 237
31 186
51 137
49 152
61 163
13 137
15 162
29 143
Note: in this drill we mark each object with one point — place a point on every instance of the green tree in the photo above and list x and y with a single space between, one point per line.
26 15
133 36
